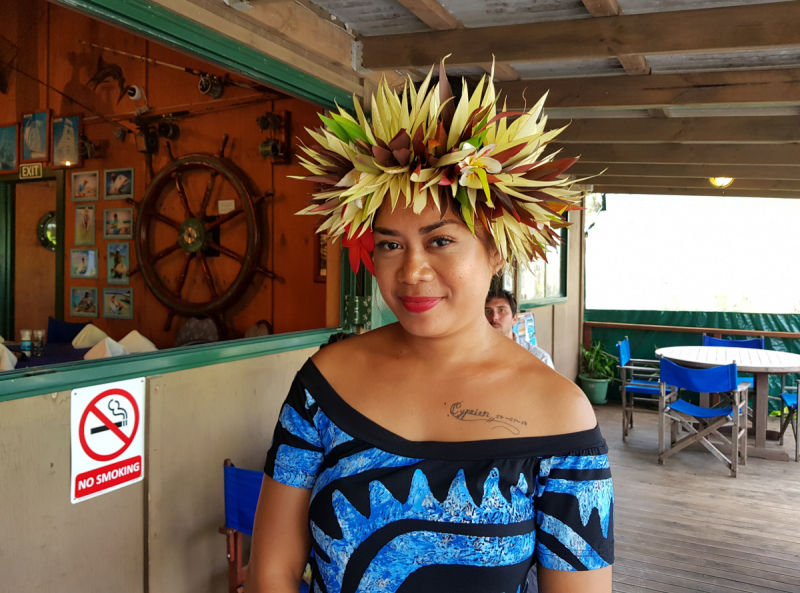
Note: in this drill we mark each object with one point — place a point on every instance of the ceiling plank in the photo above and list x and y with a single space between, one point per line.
755 87
687 31
690 154
433 14
635 65
683 130
738 184
602 7
502 72
697 171
688 191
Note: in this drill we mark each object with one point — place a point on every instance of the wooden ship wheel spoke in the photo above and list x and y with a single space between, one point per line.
199 235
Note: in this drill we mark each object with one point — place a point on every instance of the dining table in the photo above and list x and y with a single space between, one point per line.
762 364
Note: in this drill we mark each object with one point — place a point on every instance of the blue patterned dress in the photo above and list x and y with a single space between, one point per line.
393 515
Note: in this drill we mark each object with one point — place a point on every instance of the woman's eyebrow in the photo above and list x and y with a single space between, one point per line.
423 231
437 225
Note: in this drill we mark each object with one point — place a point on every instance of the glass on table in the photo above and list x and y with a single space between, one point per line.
38 342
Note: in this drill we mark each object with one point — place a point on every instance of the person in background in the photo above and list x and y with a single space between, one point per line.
501 313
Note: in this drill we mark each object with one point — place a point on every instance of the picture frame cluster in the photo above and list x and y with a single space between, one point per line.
117 229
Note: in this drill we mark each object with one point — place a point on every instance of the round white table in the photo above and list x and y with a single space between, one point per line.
762 363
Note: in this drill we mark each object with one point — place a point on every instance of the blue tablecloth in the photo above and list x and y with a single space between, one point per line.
53 354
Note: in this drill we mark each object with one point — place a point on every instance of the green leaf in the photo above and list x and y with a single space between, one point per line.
335 129
352 129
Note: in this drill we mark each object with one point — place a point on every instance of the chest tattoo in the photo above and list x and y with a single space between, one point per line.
509 423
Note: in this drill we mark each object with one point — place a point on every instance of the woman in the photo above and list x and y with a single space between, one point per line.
434 454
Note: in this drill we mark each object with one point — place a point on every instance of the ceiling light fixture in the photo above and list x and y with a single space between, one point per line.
720 182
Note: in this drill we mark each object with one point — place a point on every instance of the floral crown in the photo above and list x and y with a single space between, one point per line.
420 146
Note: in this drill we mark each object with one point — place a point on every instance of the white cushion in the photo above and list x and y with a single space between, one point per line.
105 349
136 342
88 337
8 361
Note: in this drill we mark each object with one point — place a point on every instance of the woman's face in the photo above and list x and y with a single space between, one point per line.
432 272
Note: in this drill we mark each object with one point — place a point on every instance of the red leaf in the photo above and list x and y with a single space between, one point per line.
383 156
400 140
508 154
402 156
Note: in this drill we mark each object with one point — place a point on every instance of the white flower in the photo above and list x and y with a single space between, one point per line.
471 164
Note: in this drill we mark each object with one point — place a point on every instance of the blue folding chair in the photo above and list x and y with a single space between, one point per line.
638 376
699 422
242 488
753 343
789 414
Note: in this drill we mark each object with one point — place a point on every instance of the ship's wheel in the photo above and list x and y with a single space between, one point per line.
185 266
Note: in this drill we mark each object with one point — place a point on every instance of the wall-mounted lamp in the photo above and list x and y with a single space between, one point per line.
720 182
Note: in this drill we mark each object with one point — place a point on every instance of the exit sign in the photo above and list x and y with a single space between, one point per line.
32 171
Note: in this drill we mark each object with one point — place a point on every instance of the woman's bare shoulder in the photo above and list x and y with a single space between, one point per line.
352 352
559 402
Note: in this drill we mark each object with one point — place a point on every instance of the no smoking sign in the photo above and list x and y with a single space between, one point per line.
107 428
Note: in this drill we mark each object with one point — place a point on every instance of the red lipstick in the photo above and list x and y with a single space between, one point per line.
419 304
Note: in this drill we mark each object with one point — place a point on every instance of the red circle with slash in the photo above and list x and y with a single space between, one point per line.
126 440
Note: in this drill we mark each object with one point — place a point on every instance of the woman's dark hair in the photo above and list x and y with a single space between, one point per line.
337 337
503 294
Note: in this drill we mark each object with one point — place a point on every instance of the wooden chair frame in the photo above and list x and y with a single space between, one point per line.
791 419
237 571
707 427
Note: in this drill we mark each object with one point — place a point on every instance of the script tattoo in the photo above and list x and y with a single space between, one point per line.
475 415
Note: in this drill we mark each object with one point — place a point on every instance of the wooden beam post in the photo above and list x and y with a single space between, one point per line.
676 32
684 130
743 87
690 154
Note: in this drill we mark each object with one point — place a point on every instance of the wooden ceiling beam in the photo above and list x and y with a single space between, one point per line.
690 154
738 184
433 14
635 65
714 29
438 18
688 191
602 7
744 87
683 130
622 170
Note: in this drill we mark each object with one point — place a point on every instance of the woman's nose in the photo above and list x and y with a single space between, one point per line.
416 268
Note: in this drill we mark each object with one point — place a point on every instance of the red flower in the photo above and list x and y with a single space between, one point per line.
360 249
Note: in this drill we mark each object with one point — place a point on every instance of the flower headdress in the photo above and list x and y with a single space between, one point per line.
420 146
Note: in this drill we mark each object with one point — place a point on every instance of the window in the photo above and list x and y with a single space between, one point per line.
693 253
543 283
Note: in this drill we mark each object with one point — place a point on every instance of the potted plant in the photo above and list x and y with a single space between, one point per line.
598 369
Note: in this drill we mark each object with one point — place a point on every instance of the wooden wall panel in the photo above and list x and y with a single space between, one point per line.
48 544
34 266
199 418
52 53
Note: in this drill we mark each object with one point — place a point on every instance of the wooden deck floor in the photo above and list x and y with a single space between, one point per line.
689 526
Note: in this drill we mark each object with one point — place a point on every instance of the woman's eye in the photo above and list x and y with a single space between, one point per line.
441 241
388 245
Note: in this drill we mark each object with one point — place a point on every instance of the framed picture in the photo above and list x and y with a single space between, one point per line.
85 186
118 263
66 134
9 148
117 184
35 127
84 225
83 263
83 301
118 303
118 223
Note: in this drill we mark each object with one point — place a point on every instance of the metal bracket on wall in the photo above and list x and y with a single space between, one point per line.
357 311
